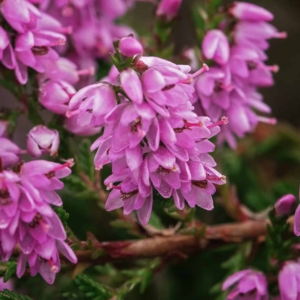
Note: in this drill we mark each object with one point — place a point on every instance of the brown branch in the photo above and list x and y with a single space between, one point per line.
159 246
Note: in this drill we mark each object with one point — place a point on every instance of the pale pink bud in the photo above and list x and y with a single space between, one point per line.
284 205
215 46
250 12
129 46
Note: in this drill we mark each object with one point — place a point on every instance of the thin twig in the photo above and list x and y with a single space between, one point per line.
159 246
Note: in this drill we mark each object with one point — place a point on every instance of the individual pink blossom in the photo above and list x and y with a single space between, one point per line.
8 285
168 9
256 33
41 140
9 153
92 103
284 205
3 128
56 95
297 220
247 284
215 46
288 281
129 46
250 12
71 124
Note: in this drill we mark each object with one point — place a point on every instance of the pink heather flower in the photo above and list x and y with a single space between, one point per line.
284 205
256 33
62 69
92 23
215 46
153 138
9 153
113 9
19 13
231 88
71 124
250 12
248 284
92 103
41 140
168 9
3 128
297 220
32 40
28 220
8 285
56 95
129 46
288 280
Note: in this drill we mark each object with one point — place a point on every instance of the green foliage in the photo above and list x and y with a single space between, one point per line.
74 183
10 271
92 289
138 277
85 161
62 214
278 241
10 295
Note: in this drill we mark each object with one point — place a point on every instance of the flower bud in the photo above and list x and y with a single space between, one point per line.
250 12
215 46
168 9
284 205
129 46
41 140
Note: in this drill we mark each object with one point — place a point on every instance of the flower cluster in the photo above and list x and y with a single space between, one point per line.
152 137
27 194
93 26
230 87
29 38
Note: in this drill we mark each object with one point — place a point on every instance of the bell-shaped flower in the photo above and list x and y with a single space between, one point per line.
250 12
216 46
248 283
41 140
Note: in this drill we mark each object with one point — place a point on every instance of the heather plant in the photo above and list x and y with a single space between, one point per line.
133 169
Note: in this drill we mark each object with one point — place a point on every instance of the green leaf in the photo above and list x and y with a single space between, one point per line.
155 221
74 184
200 19
33 114
85 158
62 214
146 278
121 224
10 295
91 288
10 270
